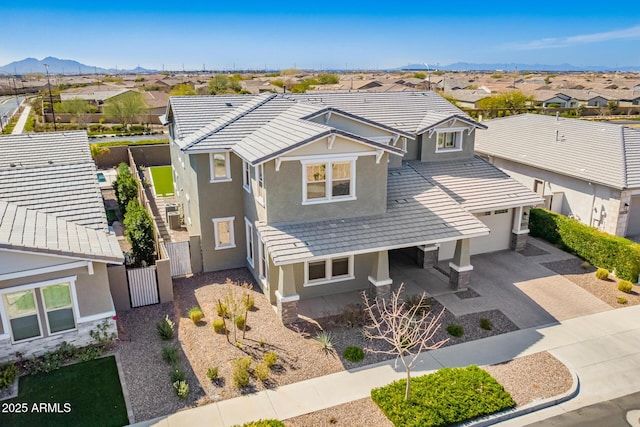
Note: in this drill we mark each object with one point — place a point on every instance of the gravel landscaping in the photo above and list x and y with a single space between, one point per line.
528 378
583 275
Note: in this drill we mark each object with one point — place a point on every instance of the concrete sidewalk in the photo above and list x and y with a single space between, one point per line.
602 348
22 121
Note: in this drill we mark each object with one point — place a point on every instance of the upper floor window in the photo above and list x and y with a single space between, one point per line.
449 141
260 191
223 231
219 165
328 181
246 176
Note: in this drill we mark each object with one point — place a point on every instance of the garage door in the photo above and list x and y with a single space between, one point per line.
633 226
499 239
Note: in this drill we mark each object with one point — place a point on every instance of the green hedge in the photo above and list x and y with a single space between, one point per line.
448 396
614 253
263 423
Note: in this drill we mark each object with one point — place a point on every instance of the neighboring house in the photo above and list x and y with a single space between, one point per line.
311 192
468 98
94 97
587 170
54 244
570 98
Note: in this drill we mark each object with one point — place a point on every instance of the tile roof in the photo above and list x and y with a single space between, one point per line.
598 152
24 229
418 212
53 173
476 184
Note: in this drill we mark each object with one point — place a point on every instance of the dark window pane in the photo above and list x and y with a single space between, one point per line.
340 267
25 327
341 188
61 320
317 270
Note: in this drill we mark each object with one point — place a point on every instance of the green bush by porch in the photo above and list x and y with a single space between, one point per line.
91 389
450 395
601 249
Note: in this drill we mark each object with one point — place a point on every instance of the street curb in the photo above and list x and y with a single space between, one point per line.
528 408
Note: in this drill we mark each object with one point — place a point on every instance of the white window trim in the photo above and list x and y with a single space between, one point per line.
263 271
187 207
232 233
328 273
329 171
212 177
260 198
459 137
5 317
248 227
46 317
246 176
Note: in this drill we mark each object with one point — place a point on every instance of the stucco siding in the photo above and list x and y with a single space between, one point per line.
500 236
12 262
428 148
186 184
352 126
633 226
285 205
590 203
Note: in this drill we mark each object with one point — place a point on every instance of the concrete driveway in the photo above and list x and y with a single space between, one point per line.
529 294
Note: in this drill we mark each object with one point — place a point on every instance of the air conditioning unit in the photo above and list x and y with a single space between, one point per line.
170 207
173 218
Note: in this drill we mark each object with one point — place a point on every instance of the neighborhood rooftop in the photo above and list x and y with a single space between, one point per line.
418 213
602 153
52 173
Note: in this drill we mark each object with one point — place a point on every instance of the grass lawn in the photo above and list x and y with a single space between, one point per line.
162 180
84 394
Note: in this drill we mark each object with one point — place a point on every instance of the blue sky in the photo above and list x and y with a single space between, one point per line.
319 35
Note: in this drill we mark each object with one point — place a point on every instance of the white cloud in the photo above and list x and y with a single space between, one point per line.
558 42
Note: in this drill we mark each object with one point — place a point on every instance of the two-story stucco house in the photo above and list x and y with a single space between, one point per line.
54 244
311 192
587 170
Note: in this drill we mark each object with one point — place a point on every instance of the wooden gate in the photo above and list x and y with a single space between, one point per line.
143 286
179 257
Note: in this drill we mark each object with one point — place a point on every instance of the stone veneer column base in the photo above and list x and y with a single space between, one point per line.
79 337
427 257
459 277
519 241
380 289
287 307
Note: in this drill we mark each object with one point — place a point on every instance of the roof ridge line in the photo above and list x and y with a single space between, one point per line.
234 119
625 173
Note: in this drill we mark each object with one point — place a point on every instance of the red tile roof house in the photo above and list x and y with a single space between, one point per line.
54 244
311 192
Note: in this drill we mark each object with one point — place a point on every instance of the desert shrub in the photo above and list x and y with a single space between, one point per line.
585 265
448 396
8 374
181 388
598 248
325 341
353 315
242 362
177 374
222 310
241 375
262 371
602 273
212 373
238 344
249 302
165 328
622 300
240 322
625 286
87 353
485 324
353 354
196 314
218 326
170 354
270 359
455 330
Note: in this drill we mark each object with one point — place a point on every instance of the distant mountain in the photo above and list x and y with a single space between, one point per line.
468 66
60 66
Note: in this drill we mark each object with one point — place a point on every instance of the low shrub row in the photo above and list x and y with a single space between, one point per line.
448 396
614 253
171 355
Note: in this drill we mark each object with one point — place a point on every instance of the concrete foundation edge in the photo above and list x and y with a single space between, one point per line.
529 408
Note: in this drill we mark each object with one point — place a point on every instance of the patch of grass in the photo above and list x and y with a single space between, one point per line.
448 396
262 423
353 354
485 324
455 330
128 143
92 390
162 180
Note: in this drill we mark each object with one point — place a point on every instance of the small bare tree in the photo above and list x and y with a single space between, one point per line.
408 330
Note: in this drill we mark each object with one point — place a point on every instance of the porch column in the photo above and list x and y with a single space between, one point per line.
286 296
520 228
379 278
460 268
427 256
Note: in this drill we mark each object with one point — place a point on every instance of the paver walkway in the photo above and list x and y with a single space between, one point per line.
602 348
